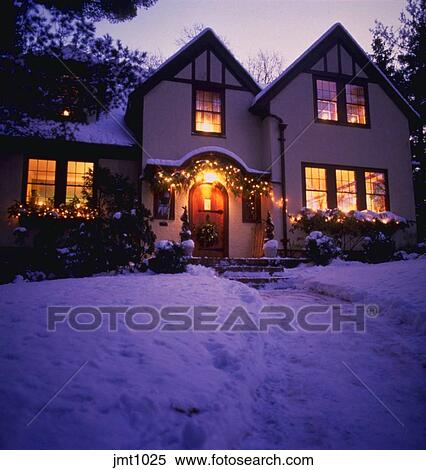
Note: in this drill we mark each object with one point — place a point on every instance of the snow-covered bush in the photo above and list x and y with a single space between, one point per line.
320 248
378 248
348 229
169 258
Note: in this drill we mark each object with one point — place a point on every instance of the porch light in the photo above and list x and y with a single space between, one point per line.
66 113
210 177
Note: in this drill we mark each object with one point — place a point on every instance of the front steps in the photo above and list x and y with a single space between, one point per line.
256 272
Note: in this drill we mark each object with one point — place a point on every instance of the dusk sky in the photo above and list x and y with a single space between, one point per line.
287 26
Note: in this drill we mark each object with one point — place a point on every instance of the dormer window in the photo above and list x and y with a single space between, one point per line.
208 112
341 101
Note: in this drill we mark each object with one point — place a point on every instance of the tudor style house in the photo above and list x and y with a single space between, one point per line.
330 131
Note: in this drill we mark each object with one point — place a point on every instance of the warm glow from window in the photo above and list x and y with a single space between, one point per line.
207 204
76 172
327 100
375 189
316 188
355 104
208 111
346 190
41 181
66 113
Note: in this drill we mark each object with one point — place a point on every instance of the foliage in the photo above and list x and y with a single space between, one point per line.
185 231
181 179
320 248
265 66
348 229
76 240
207 235
169 259
401 54
269 228
379 248
56 63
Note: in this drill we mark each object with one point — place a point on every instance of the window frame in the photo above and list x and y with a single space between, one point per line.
155 202
60 174
341 82
360 171
214 89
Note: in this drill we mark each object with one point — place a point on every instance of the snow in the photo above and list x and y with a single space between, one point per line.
135 389
164 245
277 390
117 216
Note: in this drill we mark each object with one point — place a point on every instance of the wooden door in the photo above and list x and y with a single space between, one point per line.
209 219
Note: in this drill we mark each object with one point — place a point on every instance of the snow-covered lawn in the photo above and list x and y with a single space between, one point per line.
124 389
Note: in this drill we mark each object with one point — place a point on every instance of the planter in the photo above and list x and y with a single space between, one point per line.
188 247
270 249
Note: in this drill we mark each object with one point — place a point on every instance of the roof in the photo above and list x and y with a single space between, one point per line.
207 39
337 33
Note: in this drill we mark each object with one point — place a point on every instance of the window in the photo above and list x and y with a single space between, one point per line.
327 100
316 188
164 205
346 190
375 190
41 181
355 104
251 209
208 112
76 172
341 102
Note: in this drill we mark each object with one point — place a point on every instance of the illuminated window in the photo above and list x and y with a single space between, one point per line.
355 104
76 172
41 181
327 100
346 190
208 111
375 189
316 188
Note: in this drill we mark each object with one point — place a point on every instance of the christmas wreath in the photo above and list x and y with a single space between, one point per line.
207 235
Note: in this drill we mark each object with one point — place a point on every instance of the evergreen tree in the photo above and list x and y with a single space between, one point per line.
401 54
269 228
185 231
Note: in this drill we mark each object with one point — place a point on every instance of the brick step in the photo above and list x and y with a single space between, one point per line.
267 262
249 269
259 281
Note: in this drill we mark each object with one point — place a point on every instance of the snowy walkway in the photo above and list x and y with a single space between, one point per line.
323 390
69 389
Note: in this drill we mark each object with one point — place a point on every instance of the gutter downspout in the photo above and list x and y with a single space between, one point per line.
281 139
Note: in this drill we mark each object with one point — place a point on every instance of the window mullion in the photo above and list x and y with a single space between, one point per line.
331 188
60 181
341 102
360 190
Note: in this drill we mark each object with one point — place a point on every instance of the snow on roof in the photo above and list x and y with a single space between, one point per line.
110 129
312 47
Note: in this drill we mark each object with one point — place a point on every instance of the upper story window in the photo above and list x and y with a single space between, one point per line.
355 104
341 102
208 112
76 174
327 100
41 181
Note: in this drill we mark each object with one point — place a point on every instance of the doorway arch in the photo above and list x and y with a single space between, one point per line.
209 212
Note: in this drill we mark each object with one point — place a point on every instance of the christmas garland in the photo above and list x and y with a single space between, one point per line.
233 178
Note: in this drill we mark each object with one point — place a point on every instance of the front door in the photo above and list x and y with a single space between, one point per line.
209 219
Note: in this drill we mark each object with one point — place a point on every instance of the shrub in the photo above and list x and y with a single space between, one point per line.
169 258
378 249
320 248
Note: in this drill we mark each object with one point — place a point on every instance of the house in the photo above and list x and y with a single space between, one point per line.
330 131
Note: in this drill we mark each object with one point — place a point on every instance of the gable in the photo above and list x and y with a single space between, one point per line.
334 53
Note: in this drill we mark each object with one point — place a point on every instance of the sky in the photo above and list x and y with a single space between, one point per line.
286 26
